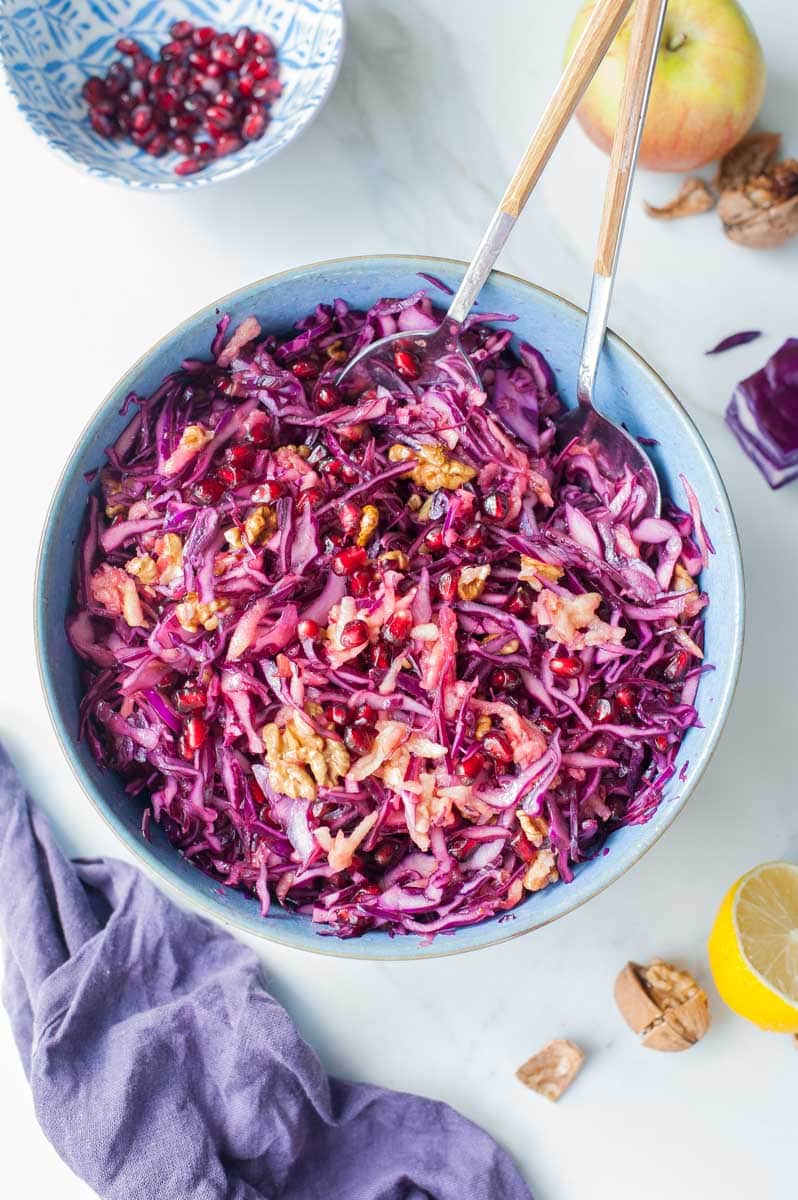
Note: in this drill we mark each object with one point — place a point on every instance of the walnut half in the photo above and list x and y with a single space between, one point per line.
663 1004
553 1069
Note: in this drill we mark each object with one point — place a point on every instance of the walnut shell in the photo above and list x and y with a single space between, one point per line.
763 212
552 1069
663 1004
692 198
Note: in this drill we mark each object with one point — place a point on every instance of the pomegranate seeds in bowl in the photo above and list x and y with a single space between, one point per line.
207 94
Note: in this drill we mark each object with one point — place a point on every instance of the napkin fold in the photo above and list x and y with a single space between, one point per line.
162 1070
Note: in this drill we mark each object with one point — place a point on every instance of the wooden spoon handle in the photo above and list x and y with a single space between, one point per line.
643 47
604 23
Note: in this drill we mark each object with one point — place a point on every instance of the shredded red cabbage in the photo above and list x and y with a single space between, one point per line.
736 339
394 663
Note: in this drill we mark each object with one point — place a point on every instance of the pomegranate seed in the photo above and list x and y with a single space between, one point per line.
191 698
262 44
158 145
305 368
243 39
141 118
142 64
178 76
117 79
360 583
661 743
167 100
566 666
219 116
245 85
547 724
498 747
380 657
337 714
348 474
327 396
267 492
241 456
260 434
228 56
127 46
199 61
349 560
522 846
196 732
308 628
207 490
172 50
447 585
357 739
216 71
384 854
93 90
472 540
677 665
102 124
496 506
627 698
520 603
311 496
253 127
182 143
126 103
332 466
181 29
157 74
232 477
504 679
196 103
182 122
397 628
365 715
226 100
203 36
266 89
203 151
144 138
349 516
433 539
406 364
354 633
472 762
228 143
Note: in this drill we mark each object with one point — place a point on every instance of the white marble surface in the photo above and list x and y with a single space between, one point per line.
434 104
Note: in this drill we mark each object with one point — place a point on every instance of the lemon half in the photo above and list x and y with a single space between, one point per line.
753 947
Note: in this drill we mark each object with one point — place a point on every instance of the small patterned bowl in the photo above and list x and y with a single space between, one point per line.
50 47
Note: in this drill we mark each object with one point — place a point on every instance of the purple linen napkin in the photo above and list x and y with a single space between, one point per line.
161 1069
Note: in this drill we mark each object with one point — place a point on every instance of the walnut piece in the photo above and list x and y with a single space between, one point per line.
663 1004
541 871
472 580
751 156
433 468
693 197
143 568
553 1069
763 212
300 760
260 524
534 572
194 616
369 520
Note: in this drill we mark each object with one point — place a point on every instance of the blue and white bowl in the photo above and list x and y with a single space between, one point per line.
629 391
50 47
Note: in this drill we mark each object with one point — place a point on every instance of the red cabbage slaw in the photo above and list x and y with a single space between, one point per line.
394 663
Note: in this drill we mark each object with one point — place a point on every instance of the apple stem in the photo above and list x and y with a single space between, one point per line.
677 41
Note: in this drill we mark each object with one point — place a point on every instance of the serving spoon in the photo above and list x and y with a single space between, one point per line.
377 363
617 449
414 355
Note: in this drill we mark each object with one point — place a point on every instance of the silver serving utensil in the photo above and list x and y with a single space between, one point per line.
616 448
377 363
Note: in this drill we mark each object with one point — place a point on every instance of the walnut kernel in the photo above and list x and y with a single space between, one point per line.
553 1069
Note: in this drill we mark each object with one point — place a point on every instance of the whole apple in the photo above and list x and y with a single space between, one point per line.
708 84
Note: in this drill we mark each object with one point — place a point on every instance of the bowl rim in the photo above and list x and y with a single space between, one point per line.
335 947
179 183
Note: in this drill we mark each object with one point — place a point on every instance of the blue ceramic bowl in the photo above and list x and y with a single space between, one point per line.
628 391
50 48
